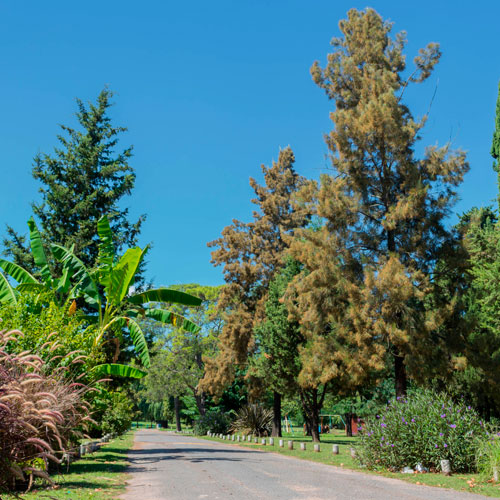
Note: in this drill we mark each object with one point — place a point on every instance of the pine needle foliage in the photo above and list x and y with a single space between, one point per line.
250 254
383 210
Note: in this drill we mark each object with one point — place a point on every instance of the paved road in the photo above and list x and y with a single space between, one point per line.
165 466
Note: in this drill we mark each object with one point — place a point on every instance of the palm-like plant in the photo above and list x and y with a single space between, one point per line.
253 419
26 281
105 289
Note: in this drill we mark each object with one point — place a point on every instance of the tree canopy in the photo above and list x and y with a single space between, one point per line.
85 178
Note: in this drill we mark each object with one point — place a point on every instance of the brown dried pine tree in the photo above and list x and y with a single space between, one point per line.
366 296
251 253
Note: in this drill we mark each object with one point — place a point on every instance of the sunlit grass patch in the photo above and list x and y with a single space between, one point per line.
100 475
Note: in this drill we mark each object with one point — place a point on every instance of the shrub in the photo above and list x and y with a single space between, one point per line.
253 419
488 457
111 412
42 322
424 428
217 422
41 414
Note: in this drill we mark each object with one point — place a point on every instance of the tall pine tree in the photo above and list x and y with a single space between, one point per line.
371 263
85 178
251 254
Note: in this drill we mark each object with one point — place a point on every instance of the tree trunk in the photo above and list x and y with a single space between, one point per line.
315 424
307 425
177 414
312 402
276 432
201 403
399 374
348 424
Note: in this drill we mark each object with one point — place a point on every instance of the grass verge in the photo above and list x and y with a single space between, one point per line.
100 475
461 482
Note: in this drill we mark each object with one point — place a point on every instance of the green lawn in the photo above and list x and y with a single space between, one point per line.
100 475
149 425
462 482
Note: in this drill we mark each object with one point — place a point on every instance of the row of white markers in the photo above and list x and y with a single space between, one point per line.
263 441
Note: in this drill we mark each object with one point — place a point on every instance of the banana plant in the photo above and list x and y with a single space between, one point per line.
26 281
106 290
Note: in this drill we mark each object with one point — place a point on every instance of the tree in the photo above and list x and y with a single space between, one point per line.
105 290
482 240
278 360
85 179
251 253
370 264
477 272
178 362
495 146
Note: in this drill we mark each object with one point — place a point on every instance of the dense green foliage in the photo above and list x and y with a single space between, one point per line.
424 428
217 422
277 339
495 146
113 411
39 317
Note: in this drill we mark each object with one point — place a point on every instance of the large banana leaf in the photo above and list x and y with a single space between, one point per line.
138 339
31 287
171 318
119 370
17 272
63 283
77 271
38 252
7 293
106 250
123 274
165 295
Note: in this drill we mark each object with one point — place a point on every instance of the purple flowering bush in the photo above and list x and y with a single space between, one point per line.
424 428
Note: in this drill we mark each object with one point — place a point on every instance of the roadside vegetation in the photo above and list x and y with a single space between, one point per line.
351 303
472 482
100 475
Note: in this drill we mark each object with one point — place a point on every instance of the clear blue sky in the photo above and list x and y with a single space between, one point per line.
210 90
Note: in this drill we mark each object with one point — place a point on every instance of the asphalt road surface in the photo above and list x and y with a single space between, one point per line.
166 466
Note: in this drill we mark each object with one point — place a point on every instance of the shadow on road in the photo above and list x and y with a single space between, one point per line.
193 455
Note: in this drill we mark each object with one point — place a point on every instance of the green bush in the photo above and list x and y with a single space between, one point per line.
42 321
424 428
112 412
488 457
213 421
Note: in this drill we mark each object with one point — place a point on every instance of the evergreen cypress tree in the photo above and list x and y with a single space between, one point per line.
84 179
281 354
